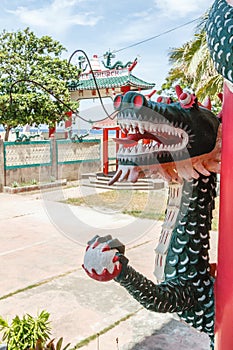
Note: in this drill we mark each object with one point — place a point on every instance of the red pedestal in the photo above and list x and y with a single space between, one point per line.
224 281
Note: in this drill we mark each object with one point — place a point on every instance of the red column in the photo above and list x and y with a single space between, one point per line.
68 123
105 151
52 131
117 145
125 89
224 281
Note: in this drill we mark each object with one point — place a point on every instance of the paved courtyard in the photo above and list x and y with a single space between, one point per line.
41 253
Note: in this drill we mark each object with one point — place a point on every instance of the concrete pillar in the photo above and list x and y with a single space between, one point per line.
54 169
2 166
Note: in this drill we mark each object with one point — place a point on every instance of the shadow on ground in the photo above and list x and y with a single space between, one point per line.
173 335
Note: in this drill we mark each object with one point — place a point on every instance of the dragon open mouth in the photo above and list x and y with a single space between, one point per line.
150 139
165 140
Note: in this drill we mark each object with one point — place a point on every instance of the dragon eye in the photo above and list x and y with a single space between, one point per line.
138 101
117 102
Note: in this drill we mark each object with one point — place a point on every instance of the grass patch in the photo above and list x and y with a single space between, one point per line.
142 204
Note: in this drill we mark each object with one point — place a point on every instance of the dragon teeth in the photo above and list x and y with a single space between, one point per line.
141 129
133 126
121 149
140 147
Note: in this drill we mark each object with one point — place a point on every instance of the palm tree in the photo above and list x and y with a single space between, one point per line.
193 68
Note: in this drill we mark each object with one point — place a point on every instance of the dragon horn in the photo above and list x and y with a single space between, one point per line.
207 103
179 90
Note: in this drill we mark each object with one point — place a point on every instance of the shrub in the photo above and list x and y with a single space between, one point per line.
24 333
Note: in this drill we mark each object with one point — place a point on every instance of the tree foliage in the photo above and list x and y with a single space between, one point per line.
31 71
193 68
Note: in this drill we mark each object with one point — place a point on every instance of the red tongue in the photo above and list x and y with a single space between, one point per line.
132 139
125 142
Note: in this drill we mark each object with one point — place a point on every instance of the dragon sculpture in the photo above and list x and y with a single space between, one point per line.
185 150
117 65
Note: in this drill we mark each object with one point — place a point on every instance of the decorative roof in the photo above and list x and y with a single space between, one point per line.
109 79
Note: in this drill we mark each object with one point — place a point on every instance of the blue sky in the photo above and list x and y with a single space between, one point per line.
96 26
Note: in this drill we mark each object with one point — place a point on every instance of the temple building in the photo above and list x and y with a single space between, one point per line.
106 80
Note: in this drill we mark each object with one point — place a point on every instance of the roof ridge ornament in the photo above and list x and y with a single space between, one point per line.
118 64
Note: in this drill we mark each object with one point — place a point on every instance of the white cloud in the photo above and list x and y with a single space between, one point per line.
151 22
182 8
134 28
56 17
162 17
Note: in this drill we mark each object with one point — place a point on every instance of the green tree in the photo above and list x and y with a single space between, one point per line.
193 68
30 69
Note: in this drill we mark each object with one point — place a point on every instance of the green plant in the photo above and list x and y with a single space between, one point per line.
15 184
34 182
25 333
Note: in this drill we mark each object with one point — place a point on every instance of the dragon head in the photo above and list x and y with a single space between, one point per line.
159 136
